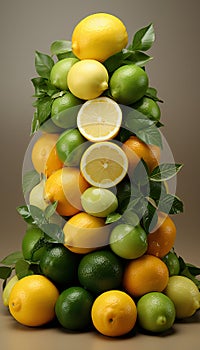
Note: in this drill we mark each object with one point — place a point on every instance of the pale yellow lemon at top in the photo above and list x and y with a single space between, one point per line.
99 36
99 119
104 164
87 79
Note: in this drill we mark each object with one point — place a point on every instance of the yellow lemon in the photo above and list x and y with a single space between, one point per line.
99 119
184 294
85 233
44 156
32 300
104 164
114 313
99 36
87 79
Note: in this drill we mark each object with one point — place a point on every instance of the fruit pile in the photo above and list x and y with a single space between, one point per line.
98 251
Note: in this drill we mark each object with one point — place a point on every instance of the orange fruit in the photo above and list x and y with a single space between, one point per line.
44 155
85 233
114 313
66 186
145 274
136 149
162 239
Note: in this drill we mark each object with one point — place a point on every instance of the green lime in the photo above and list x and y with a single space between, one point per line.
73 308
185 295
59 265
33 246
70 147
99 202
100 271
156 312
128 84
172 262
59 72
64 110
148 107
50 127
127 241
7 290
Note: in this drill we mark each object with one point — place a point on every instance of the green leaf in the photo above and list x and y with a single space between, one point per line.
68 54
60 46
12 258
54 231
37 215
170 204
43 64
35 123
138 203
185 271
43 108
157 190
116 60
30 180
40 85
150 135
50 210
143 127
149 218
139 58
165 171
134 121
22 268
141 174
124 135
123 194
112 217
5 272
152 93
194 270
25 213
143 38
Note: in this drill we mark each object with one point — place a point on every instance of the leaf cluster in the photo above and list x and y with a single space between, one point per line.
145 194
53 234
142 41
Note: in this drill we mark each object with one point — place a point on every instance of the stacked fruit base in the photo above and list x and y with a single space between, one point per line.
98 251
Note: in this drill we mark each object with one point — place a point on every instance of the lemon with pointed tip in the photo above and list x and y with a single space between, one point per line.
99 36
184 294
87 79
32 300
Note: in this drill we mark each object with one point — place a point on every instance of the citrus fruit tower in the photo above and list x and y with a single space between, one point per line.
98 248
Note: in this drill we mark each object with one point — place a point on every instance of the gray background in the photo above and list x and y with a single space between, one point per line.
26 26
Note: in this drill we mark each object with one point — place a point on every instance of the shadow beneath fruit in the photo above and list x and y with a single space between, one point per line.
163 334
193 319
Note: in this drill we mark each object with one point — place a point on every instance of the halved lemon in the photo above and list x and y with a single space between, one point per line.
99 119
104 164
